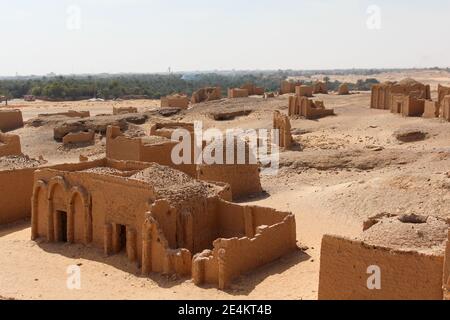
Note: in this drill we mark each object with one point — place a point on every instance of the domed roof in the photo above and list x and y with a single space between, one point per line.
409 232
409 82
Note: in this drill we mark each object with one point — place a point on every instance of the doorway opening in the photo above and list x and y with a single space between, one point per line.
121 238
62 219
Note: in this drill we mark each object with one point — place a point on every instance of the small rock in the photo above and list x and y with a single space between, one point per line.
410 135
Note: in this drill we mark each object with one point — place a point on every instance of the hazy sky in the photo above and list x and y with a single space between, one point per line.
93 36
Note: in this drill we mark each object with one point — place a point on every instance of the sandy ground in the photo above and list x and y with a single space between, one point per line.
431 77
348 167
33 109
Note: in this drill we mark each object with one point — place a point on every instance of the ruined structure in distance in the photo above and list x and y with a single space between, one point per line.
282 123
343 89
237 93
175 101
320 87
288 86
124 110
304 91
304 107
9 145
206 94
382 93
253 90
10 120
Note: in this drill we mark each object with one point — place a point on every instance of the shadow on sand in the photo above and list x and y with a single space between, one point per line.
15 227
118 261
243 285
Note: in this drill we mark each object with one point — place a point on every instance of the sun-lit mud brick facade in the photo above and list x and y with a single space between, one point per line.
343 89
282 124
382 93
9 145
162 219
79 137
407 105
320 87
253 90
304 107
175 101
237 93
243 178
431 109
304 91
10 120
206 95
288 87
392 259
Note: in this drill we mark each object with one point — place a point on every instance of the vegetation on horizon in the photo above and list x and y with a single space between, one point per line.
152 86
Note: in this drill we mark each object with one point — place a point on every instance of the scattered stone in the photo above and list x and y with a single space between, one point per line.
410 135
168 112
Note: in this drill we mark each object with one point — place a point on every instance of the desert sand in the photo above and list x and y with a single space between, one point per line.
346 168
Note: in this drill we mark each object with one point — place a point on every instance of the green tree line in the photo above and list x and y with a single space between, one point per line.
153 86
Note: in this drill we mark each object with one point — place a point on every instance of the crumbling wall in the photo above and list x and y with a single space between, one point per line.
237 93
283 125
253 90
121 211
79 137
343 89
398 102
166 129
9 145
405 275
10 120
235 256
382 93
446 279
445 108
304 91
206 94
175 101
442 92
161 153
288 87
16 188
407 105
304 107
431 109
243 178
120 147
157 255
381 96
320 87
101 212
124 110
